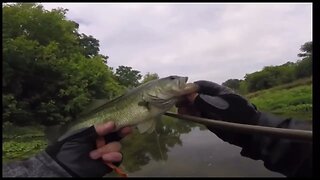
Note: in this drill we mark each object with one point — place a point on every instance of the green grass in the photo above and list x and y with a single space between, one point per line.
294 99
299 82
21 142
21 149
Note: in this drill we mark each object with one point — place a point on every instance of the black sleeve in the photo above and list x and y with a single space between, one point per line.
289 157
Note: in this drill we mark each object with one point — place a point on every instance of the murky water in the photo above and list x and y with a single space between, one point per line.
185 150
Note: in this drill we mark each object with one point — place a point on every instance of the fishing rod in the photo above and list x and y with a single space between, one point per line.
296 134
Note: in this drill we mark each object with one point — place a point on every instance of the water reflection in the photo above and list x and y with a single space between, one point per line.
139 149
182 148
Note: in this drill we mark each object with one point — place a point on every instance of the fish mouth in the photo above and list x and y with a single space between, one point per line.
186 79
187 88
183 82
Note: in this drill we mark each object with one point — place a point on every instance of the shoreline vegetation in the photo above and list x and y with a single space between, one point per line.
288 100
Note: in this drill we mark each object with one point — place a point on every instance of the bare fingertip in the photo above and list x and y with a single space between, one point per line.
110 124
94 154
112 157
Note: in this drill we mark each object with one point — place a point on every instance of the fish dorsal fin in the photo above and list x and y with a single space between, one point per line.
98 104
145 126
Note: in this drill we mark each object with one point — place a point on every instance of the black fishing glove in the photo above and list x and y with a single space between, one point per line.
72 153
221 103
289 157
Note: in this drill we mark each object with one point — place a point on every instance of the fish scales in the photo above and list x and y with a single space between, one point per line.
138 107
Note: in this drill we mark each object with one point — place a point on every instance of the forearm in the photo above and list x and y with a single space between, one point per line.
289 157
41 165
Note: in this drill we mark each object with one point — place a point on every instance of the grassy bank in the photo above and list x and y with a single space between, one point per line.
289 100
21 142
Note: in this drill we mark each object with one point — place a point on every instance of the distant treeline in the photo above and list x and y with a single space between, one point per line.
271 76
50 70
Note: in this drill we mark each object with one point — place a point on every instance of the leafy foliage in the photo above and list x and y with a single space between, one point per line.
50 71
271 76
22 149
21 142
306 49
127 76
304 68
232 83
149 77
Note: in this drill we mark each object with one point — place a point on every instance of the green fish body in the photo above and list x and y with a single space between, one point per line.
138 107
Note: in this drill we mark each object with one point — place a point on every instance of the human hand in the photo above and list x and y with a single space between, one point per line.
218 102
79 155
214 101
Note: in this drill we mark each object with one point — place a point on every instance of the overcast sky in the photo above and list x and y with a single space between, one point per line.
204 41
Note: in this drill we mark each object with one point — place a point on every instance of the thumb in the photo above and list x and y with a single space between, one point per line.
106 128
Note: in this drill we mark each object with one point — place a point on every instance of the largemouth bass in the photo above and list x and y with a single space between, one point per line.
138 107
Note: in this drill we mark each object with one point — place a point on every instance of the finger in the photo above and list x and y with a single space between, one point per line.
112 157
125 131
110 147
100 142
118 135
103 129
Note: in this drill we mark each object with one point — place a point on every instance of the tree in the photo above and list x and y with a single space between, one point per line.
271 76
304 66
307 49
149 77
90 46
233 84
47 77
127 76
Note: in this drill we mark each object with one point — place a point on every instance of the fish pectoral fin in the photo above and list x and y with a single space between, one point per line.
146 126
155 120
152 128
144 103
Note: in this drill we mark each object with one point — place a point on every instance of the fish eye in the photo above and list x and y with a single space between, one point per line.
172 78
